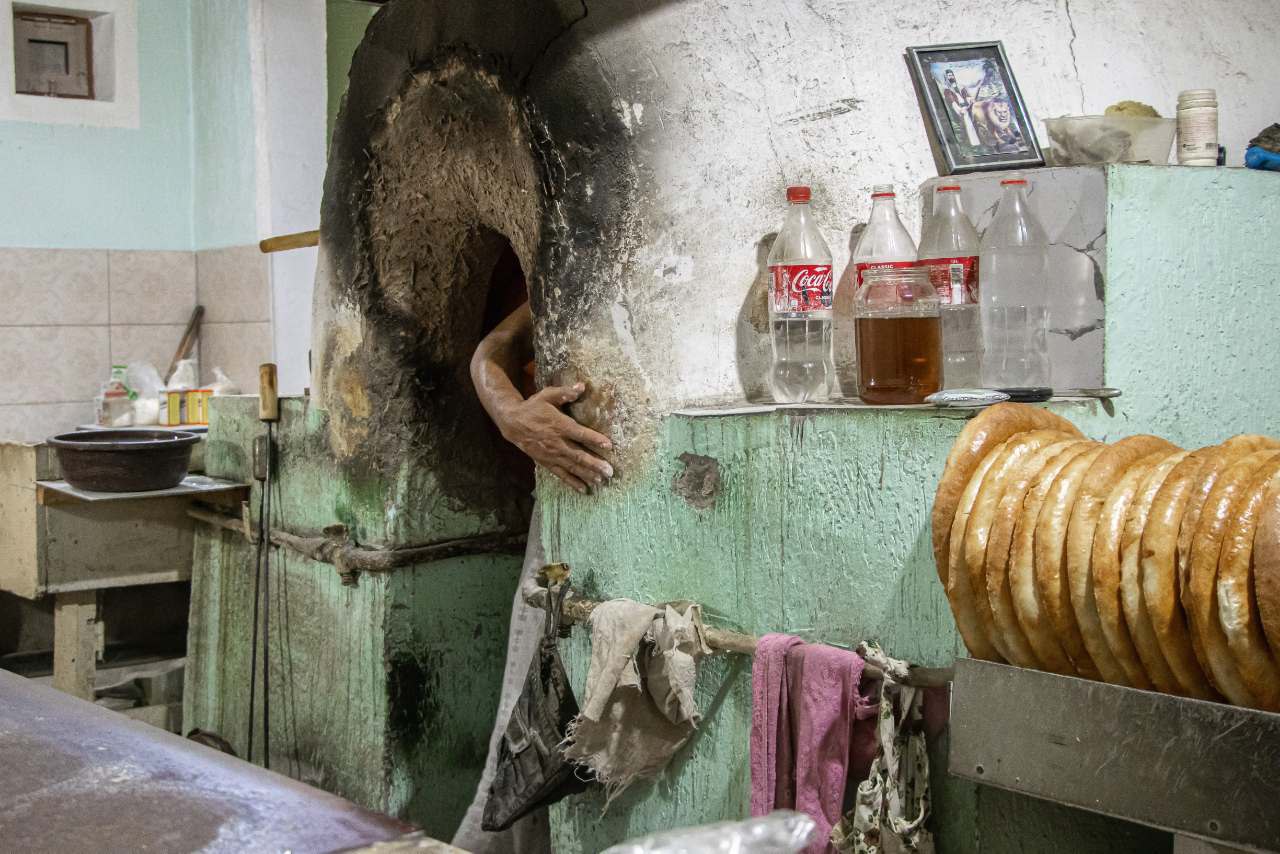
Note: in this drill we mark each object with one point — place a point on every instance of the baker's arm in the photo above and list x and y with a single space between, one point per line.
536 426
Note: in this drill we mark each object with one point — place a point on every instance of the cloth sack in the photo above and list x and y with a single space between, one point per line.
639 705
532 772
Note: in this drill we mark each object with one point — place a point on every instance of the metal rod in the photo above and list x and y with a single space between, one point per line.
578 610
336 548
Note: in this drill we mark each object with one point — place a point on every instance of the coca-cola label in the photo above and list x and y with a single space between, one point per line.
863 266
955 279
801 287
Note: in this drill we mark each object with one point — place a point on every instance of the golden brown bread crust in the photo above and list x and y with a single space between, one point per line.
973 596
1135 610
980 435
1159 573
1215 460
1105 571
1266 566
1200 595
971 631
1094 487
1023 589
1010 637
1054 594
1237 607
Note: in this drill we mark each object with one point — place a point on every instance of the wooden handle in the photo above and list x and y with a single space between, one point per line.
297 240
268 400
188 341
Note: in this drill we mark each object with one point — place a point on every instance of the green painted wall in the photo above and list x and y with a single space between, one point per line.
345 23
223 179
821 523
383 692
67 186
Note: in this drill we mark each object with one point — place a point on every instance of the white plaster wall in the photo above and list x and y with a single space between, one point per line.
738 98
290 75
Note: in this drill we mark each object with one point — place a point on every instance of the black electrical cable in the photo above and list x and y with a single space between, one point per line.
257 583
266 614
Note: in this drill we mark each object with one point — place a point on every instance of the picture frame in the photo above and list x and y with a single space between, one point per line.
973 109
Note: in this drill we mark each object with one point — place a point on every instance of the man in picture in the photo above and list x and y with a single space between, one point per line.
960 105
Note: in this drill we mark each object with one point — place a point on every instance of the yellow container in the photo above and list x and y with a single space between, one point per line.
172 411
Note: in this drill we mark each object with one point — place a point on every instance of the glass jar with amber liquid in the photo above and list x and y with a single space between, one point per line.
899 336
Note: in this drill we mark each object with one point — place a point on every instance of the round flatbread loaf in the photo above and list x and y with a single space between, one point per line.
1159 572
980 435
1107 536
1237 607
1266 566
971 630
1010 638
1135 608
1051 561
1201 592
997 478
1023 588
1215 461
1094 488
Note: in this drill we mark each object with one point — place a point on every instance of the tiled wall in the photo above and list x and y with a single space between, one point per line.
66 315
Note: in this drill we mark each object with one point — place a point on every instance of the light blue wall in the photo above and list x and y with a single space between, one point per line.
114 188
224 196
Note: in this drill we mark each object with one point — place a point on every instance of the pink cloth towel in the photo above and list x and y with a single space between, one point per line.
804 734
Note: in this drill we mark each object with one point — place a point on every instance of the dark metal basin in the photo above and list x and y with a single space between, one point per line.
124 460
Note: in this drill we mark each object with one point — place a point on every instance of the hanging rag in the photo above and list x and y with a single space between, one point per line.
531 773
639 705
806 702
893 802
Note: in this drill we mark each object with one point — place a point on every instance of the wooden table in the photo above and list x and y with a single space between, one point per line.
70 543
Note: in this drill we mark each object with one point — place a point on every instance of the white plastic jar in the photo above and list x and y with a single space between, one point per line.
1198 127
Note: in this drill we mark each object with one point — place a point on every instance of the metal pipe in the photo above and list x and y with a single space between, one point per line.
578 610
336 548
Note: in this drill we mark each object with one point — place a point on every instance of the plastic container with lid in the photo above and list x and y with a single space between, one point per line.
899 336
1198 127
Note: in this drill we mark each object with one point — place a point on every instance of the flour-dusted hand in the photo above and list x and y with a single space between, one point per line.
539 428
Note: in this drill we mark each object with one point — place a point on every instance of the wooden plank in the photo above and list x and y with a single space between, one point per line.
19 529
75 643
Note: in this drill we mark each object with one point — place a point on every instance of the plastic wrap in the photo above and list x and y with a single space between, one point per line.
780 832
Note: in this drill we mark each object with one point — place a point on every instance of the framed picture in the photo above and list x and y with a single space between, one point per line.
975 114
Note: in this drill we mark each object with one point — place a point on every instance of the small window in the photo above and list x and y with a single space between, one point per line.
53 55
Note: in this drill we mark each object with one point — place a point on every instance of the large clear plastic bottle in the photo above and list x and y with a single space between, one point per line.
800 307
949 253
1013 294
885 242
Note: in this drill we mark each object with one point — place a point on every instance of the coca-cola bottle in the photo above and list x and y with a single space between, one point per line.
800 307
949 253
885 242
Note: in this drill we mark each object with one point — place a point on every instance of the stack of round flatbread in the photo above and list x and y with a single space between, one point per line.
1134 562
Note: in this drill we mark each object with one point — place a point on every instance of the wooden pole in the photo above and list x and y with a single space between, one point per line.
285 242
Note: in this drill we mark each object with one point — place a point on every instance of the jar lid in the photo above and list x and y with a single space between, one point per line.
798 193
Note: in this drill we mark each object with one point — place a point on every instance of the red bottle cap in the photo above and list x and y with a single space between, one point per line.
797 194
1008 182
949 188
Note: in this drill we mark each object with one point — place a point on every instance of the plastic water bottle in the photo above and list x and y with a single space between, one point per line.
1012 293
800 307
949 254
885 242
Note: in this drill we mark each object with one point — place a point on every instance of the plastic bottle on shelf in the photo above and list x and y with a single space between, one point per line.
885 242
800 307
1013 295
949 254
